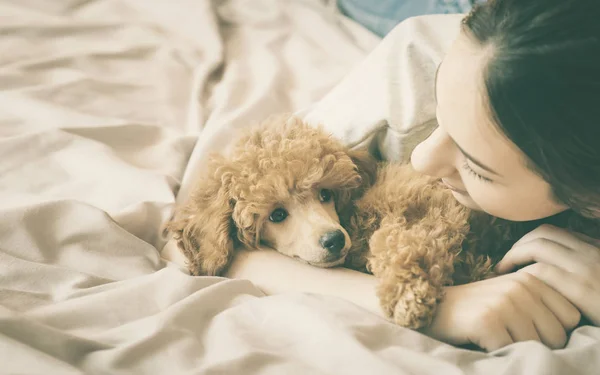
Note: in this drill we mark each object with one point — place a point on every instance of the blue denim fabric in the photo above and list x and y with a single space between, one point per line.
380 16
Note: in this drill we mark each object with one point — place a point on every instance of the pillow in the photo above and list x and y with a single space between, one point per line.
383 15
387 102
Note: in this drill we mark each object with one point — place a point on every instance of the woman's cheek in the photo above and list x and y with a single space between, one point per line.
504 206
515 205
490 201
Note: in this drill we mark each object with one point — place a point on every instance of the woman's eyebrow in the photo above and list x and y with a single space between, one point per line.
475 161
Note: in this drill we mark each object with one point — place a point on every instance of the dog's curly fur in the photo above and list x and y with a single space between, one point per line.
404 228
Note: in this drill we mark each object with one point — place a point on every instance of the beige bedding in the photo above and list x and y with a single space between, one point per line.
108 108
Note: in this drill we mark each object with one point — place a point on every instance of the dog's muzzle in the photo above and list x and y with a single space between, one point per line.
333 242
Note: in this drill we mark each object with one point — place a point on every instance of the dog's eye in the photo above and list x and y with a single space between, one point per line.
325 195
278 215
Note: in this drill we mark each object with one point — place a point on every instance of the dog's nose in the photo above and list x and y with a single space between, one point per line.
333 241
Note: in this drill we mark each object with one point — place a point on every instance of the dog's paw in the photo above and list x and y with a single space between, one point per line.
415 309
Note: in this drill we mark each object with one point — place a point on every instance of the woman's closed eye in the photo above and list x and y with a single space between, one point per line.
473 173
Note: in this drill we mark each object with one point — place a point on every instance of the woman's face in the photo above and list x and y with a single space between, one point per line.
480 165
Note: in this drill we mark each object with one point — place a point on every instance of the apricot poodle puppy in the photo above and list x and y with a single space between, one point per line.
299 191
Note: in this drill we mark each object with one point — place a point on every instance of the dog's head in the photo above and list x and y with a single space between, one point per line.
284 187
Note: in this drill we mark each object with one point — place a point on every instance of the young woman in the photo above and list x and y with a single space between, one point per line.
518 107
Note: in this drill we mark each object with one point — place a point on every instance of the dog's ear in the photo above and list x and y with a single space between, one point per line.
203 227
366 165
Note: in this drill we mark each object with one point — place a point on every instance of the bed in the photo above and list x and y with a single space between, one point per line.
108 110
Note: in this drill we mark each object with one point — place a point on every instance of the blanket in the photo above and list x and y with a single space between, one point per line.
108 109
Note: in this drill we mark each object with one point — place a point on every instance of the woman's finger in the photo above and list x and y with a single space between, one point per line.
552 233
497 337
595 243
536 321
541 250
569 239
519 324
567 314
569 285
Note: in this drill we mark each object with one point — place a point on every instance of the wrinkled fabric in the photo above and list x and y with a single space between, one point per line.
108 108
387 103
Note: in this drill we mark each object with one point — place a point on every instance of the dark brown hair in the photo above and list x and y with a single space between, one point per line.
543 86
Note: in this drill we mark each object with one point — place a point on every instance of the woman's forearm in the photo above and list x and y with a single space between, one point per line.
275 273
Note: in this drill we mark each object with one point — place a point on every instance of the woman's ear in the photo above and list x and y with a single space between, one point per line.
204 228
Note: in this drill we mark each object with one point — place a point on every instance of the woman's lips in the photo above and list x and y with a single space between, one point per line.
453 188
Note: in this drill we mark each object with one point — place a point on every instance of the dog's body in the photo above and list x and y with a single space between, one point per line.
412 234
295 189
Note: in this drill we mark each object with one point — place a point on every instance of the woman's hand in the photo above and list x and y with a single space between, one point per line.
567 262
496 312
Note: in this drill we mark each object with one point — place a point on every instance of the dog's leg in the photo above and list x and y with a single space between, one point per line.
413 264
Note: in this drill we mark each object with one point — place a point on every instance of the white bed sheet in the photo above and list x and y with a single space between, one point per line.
103 103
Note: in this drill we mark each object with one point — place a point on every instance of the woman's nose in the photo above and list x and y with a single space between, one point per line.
436 155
